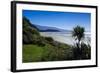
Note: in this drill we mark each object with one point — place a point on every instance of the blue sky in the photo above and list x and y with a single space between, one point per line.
63 20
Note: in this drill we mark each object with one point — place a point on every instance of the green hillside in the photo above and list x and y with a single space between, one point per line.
37 48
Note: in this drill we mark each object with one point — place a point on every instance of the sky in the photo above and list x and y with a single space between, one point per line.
62 20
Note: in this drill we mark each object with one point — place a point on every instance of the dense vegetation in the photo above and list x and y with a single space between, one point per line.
37 48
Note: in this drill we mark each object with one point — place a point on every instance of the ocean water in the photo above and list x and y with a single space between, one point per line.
66 37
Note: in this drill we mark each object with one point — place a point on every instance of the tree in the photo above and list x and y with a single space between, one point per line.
78 34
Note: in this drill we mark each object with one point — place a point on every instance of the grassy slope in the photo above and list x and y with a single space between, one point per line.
35 53
31 53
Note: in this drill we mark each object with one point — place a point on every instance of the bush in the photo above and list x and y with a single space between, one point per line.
49 39
86 51
82 53
27 37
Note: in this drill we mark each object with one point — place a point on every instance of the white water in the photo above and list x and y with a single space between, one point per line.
65 37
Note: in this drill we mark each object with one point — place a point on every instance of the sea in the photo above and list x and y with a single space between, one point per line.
66 37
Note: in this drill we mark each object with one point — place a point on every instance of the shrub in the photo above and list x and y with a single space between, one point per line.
49 39
86 51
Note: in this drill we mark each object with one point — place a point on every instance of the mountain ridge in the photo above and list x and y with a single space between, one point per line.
49 29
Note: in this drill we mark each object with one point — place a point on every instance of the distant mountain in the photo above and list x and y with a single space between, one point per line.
49 29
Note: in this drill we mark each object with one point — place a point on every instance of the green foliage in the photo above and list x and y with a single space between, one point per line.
49 39
35 53
29 32
80 50
78 33
32 53
40 41
83 53
86 51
